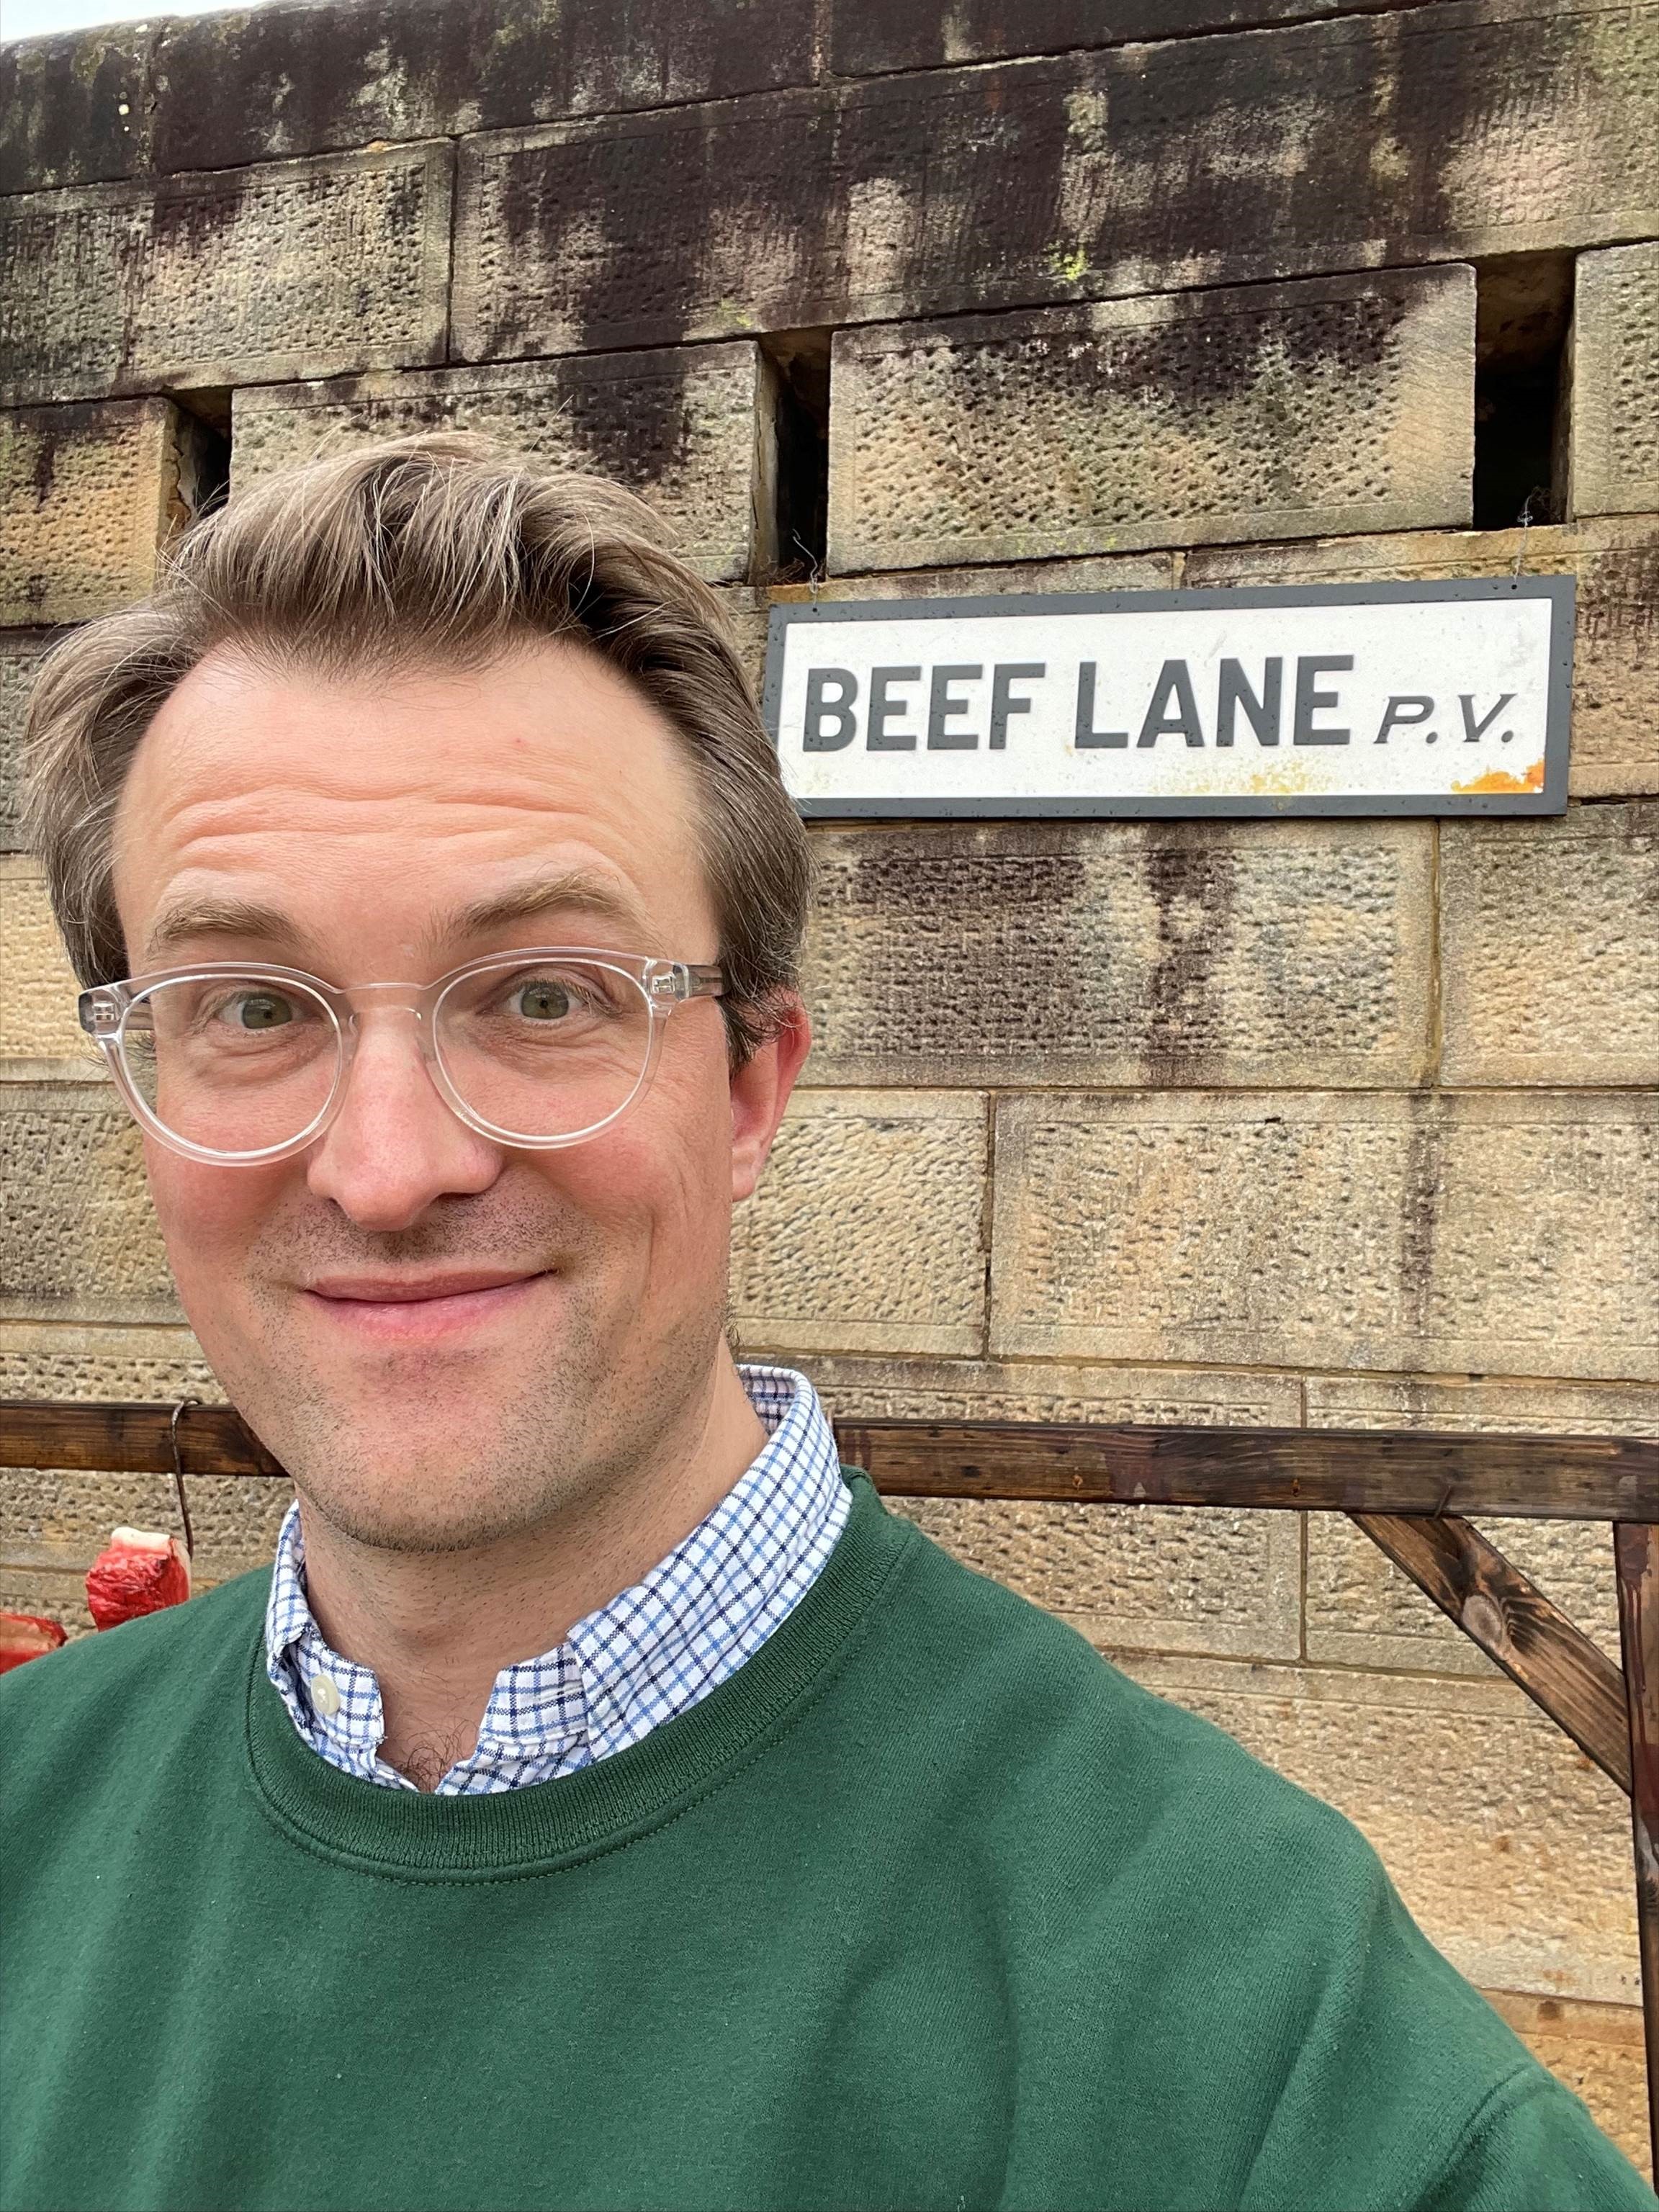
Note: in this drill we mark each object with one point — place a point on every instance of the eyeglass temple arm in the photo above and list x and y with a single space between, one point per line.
704 983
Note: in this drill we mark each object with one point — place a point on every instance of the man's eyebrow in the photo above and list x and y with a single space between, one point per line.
573 890
192 918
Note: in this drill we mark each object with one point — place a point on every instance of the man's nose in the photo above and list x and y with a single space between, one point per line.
395 1146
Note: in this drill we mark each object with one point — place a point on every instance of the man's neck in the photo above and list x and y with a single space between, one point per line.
437 1628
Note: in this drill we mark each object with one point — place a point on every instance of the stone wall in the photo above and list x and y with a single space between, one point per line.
1346 1123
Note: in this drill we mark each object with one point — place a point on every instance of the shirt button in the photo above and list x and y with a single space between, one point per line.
325 1695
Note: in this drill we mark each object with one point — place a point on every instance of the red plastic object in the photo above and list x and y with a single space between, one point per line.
139 1570
26 1636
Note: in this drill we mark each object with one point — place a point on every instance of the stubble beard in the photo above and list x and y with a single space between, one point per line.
397 1458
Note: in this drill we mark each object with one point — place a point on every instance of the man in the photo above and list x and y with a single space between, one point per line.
604 1802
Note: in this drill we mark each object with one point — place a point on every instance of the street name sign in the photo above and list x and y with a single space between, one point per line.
1440 697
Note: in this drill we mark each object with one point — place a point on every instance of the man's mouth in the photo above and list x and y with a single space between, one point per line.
436 1303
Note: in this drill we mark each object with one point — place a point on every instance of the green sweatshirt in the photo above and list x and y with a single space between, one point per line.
925 1906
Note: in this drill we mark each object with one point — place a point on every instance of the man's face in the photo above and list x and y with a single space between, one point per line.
344 828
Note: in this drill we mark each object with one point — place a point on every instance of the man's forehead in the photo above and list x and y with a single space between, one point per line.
542 701
538 781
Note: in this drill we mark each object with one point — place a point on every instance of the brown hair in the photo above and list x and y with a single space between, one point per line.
435 548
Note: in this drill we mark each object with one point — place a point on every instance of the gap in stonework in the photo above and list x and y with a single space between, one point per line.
799 398
202 439
1523 318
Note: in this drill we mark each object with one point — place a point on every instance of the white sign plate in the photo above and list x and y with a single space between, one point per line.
1422 698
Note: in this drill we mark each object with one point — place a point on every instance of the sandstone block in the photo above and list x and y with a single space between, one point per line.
865 1234
214 92
1511 1850
1450 133
55 1595
1615 692
72 107
58 1520
1503 1233
242 277
1550 948
20 656
1133 1578
689 426
38 1020
1363 1612
1146 953
1615 461
1596 2049
87 497
149 1363
748 607
78 1241
1271 412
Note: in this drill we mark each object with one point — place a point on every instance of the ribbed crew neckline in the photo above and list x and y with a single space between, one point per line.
414 1836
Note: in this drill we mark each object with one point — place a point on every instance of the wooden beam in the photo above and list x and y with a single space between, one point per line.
1349 1471
1515 1625
1636 1551
1340 1470
129 1439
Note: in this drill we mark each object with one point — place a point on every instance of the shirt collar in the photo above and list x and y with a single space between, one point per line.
646 1653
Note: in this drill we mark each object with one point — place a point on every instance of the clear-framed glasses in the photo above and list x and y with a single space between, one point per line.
240 1065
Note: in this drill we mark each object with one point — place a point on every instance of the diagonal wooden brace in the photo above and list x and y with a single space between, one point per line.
1515 1625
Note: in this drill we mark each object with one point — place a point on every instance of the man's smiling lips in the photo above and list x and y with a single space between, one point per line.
425 1306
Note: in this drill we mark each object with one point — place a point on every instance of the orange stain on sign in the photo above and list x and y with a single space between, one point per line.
1499 779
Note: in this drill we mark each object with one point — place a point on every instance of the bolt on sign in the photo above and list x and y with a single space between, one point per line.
1422 698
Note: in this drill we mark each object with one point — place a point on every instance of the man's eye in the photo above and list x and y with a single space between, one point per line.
543 1001
257 1010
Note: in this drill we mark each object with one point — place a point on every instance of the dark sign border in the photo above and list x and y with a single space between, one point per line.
1561 592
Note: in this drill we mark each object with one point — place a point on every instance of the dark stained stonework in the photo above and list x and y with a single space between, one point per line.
868 39
220 90
1166 954
254 276
1443 132
75 108
317 76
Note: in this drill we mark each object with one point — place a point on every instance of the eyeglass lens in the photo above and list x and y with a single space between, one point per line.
243 1063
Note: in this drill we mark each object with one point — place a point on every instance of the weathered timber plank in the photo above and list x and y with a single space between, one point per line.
1574 1478
1515 1625
1636 1549
1578 1478
129 1439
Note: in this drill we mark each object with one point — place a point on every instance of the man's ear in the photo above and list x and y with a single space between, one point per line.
761 1089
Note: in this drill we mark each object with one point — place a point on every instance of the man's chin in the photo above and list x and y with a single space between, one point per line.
416 1517
442 1454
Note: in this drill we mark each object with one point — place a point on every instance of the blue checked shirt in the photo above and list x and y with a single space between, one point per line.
649 1654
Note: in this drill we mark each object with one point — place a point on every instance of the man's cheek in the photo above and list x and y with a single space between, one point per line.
209 1216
